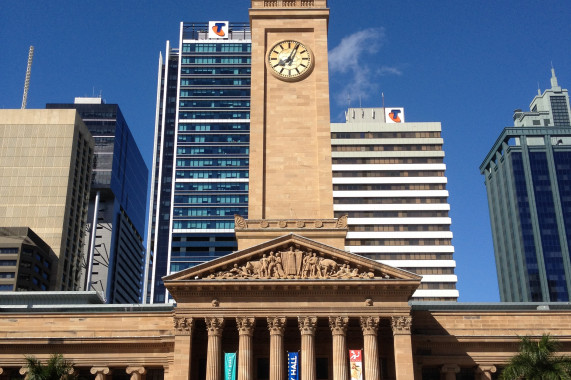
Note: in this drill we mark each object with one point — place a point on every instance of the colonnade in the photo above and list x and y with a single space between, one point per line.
307 326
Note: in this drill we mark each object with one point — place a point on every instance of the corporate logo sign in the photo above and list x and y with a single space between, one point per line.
394 115
218 29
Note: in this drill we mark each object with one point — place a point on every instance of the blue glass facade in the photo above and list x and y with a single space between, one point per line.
202 151
526 227
119 182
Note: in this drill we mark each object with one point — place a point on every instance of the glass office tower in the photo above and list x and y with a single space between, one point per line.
528 180
113 250
200 172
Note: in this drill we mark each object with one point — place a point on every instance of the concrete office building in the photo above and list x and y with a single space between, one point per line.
527 176
45 172
200 172
389 178
114 255
27 263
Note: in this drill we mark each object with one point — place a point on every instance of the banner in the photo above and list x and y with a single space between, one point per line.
230 366
293 365
356 364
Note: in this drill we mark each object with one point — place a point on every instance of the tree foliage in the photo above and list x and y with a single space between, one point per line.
56 368
538 360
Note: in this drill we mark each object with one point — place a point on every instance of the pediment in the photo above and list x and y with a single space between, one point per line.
294 258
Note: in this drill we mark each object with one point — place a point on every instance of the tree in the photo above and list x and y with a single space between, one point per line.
538 360
56 368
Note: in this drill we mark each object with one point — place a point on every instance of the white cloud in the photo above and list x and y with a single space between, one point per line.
355 63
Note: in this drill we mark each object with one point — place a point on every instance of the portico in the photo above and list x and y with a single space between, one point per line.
293 294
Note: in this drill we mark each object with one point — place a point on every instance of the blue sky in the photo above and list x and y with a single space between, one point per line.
466 64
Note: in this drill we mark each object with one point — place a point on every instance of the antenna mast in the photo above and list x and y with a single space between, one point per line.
28 73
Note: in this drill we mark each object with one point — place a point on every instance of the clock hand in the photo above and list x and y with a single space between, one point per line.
292 54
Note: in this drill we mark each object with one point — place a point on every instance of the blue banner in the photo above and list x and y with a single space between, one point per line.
230 366
293 365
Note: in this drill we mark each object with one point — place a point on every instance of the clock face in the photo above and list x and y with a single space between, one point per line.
290 60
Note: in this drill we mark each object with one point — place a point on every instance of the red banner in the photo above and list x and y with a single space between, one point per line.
356 364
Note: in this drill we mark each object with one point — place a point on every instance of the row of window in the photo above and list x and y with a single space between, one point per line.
394 200
215 103
383 135
389 173
210 211
393 214
397 242
407 186
201 225
201 115
197 199
409 256
182 162
223 60
216 48
214 138
388 160
211 186
223 81
213 70
8 250
195 174
405 227
214 92
385 148
211 150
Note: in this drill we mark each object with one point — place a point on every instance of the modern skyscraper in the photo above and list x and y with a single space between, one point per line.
389 178
45 171
528 181
117 204
200 158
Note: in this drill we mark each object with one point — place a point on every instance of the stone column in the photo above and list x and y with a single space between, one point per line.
276 326
182 348
101 373
486 371
450 371
24 372
214 326
340 354
245 354
403 347
136 372
370 326
307 329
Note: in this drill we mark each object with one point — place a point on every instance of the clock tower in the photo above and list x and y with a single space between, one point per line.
290 143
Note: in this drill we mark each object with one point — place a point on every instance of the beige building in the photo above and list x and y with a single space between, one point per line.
45 169
291 286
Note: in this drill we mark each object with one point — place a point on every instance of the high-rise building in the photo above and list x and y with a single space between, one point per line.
528 181
200 159
27 263
117 204
389 178
45 170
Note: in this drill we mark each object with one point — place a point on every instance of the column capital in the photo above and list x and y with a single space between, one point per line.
100 371
370 325
246 325
183 325
450 368
276 325
486 368
139 370
307 325
214 325
338 325
24 371
401 324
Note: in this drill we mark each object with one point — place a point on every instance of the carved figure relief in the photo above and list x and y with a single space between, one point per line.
293 263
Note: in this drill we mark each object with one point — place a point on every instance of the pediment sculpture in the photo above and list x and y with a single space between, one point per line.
294 262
